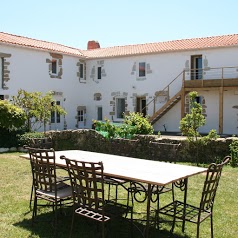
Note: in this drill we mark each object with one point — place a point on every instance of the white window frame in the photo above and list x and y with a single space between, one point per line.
81 115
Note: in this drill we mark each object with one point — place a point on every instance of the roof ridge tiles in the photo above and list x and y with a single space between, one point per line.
33 40
125 50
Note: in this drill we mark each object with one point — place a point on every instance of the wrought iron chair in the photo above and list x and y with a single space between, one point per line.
42 143
115 182
186 212
87 182
46 185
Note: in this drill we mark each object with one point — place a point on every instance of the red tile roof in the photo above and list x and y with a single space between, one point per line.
38 44
127 50
169 46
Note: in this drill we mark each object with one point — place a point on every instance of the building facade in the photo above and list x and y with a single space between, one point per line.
153 78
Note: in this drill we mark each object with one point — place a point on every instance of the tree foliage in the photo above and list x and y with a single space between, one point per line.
134 123
190 124
37 107
141 123
11 116
234 153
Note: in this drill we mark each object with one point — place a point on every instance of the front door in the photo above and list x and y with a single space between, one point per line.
196 67
141 105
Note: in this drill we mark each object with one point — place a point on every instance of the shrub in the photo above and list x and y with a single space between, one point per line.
140 123
25 138
134 123
9 138
114 130
234 153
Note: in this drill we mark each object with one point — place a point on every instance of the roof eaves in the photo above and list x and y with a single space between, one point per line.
81 55
157 52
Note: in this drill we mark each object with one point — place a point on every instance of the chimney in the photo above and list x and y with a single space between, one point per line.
92 45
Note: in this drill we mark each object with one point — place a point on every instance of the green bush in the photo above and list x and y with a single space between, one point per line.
24 139
114 130
134 123
9 138
141 124
234 153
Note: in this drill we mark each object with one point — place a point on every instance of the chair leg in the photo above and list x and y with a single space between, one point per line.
103 230
109 191
72 224
55 218
116 191
174 219
31 199
211 226
34 211
198 226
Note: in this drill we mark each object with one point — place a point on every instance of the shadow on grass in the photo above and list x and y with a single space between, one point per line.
85 228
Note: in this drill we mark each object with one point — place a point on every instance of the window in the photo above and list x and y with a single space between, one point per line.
120 107
54 66
57 113
142 69
198 99
99 113
99 72
55 116
81 71
1 97
80 115
196 67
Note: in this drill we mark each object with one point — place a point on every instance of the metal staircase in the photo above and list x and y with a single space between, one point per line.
165 108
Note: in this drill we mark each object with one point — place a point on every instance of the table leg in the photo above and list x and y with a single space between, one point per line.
185 201
148 211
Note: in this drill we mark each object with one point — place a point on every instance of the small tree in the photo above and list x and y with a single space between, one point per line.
11 116
234 153
37 107
190 124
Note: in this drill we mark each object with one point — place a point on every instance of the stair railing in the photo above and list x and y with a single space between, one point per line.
163 90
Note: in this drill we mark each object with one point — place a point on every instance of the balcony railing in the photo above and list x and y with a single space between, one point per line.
212 73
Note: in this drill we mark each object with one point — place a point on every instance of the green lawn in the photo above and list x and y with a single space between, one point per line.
15 215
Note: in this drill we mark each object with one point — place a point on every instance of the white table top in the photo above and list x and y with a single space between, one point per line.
133 169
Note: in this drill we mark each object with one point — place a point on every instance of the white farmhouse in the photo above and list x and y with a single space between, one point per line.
153 78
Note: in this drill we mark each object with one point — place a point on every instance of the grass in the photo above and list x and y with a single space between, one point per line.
15 215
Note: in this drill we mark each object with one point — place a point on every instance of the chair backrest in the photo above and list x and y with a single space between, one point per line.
211 184
42 143
87 183
43 168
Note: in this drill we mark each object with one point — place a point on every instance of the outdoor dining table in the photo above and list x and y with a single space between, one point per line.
134 170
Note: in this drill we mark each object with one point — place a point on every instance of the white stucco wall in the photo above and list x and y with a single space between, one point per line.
29 71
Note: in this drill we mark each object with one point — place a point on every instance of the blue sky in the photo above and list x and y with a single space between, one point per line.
112 23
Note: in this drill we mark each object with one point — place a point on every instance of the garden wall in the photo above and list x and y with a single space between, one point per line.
145 147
